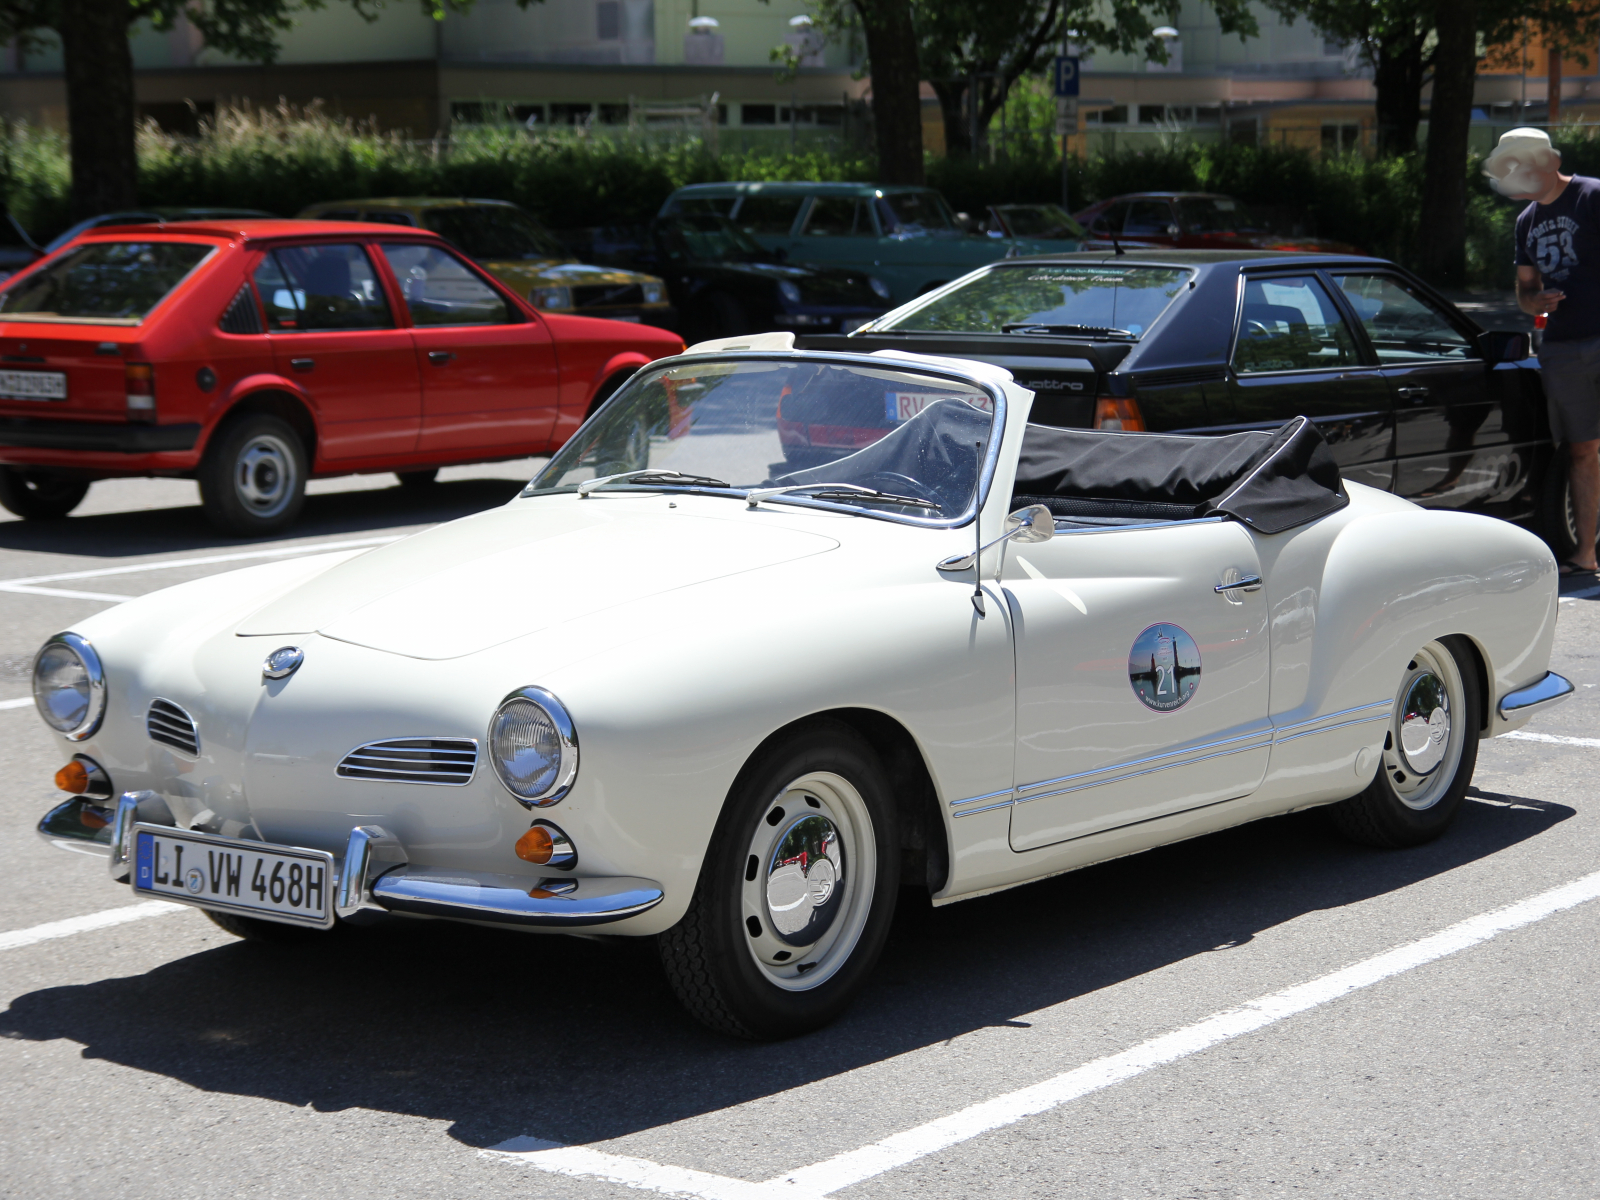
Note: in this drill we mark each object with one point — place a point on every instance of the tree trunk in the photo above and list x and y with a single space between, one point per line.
1397 76
1442 232
896 80
952 107
100 105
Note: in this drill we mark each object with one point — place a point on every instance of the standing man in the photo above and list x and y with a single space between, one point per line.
1558 273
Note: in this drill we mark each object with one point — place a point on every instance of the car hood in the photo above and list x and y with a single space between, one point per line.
477 583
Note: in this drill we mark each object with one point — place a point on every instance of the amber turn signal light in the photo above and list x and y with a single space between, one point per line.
1123 414
73 777
546 846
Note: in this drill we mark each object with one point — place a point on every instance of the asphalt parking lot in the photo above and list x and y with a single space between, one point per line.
1399 1024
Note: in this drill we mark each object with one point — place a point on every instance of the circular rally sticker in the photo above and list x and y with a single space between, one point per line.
1164 667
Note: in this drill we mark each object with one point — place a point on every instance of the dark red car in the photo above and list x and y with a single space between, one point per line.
1197 221
253 355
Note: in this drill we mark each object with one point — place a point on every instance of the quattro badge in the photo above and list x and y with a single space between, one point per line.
1164 667
282 662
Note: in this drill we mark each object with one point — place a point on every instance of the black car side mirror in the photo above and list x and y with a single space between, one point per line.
1504 345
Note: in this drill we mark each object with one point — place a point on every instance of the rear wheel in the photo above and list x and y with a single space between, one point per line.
1429 752
417 479
796 893
253 477
39 495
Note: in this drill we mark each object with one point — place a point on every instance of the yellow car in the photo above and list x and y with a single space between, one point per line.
515 248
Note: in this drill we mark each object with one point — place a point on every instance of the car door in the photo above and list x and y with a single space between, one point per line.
1141 689
1150 223
489 378
1294 355
331 330
1450 439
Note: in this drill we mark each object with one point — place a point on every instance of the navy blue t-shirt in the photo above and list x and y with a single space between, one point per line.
1562 239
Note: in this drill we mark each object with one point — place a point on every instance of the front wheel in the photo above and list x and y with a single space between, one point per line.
796 892
1429 752
38 495
418 479
253 477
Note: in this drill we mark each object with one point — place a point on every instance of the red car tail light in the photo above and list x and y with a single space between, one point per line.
1111 413
141 381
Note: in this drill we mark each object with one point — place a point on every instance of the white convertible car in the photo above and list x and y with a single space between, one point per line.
685 689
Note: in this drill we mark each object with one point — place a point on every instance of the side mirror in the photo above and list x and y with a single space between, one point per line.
1504 345
1032 524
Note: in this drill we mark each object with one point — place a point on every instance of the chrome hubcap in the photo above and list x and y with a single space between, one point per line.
1424 742
808 881
264 475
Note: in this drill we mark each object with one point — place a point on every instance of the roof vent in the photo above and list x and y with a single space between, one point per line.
171 726
448 761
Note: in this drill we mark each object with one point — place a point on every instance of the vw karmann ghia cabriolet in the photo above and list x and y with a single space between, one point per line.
682 688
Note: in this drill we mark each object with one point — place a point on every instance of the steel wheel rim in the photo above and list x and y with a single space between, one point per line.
264 475
808 881
1426 728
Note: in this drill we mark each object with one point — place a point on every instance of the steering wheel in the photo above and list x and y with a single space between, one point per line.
900 485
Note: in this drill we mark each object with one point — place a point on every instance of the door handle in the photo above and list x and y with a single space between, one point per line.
1416 392
439 357
303 364
1245 583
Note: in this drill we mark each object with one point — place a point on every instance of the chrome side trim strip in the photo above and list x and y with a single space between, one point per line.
986 796
1552 689
1139 762
986 808
1188 762
1341 713
1330 728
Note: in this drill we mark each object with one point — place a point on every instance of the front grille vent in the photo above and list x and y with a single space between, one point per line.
171 726
449 761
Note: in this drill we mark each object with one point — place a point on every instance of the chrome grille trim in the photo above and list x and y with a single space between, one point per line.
170 725
447 761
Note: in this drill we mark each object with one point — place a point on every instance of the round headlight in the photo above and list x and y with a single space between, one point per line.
551 297
789 290
653 293
534 747
879 287
69 688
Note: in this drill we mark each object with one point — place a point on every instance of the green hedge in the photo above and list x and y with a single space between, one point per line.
285 159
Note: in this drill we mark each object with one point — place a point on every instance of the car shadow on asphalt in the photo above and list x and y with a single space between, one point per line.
181 529
578 1041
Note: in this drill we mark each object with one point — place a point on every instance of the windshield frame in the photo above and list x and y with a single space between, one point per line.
911 308
986 469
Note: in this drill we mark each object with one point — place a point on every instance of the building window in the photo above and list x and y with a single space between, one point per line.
1244 131
1152 114
1344 138
571 114
1208 114
608 20
758 114
1117 114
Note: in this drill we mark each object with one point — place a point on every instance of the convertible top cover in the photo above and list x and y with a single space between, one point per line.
1270 481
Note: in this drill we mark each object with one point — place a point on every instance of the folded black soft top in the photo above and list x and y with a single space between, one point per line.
1270 481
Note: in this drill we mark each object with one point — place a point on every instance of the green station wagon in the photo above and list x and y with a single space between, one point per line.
905 236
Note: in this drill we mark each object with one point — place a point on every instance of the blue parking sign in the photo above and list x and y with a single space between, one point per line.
1066 75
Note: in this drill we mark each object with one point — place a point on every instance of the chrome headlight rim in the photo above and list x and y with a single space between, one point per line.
879 288
95 713
566 734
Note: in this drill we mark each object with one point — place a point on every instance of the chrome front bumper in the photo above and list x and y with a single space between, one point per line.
376 874
1536 697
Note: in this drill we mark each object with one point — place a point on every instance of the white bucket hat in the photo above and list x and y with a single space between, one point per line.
1518 144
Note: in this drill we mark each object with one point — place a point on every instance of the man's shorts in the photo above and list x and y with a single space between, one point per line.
1571 375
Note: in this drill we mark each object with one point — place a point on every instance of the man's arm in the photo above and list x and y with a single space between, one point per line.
1532 296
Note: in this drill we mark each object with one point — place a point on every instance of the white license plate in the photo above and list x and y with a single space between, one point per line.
33 385
279 883
902 406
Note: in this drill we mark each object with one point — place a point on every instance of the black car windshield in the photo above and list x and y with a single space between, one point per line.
1090 296
494 231
709 237
916 212
1218 214
1040 221
774 423
106 281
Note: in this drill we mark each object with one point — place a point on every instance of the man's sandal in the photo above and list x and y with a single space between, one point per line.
1571 568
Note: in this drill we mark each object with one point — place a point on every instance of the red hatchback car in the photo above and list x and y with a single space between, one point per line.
1196 221
253 355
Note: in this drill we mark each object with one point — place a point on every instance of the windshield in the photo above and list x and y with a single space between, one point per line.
1041 221
916 212
1217 214
105 281
494 231
708 237
761 423
1090 296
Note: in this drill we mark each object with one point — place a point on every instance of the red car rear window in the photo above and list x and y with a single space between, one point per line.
115 281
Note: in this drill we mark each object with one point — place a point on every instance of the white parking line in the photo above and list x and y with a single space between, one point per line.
30 585
22 702
843 1170
100 920
1522 735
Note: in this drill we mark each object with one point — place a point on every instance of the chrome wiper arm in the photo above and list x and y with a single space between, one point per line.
836 491
655 475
